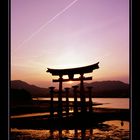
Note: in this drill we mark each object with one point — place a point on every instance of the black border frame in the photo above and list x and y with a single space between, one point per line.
134 69
4 70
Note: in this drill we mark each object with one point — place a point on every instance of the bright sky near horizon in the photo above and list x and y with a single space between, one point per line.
69 33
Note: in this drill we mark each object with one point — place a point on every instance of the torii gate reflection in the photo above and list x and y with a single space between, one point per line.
71 72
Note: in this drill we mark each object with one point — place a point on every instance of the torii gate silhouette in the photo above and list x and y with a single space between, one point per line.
70 72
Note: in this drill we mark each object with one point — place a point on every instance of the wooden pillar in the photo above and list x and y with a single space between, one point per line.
67 101
75 99
60 96
82 96
51 103
90 98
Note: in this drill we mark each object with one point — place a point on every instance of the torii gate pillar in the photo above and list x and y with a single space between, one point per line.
82 95
70 73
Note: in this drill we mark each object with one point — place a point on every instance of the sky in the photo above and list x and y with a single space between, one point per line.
67 34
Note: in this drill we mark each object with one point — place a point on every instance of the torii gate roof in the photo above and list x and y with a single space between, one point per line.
72 71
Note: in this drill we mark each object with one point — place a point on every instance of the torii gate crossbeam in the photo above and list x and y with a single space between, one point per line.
70 72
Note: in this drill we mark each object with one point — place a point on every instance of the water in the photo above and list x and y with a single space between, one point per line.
121 103
114 103
108 130
113 129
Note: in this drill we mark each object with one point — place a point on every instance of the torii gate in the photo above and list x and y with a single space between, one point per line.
70 72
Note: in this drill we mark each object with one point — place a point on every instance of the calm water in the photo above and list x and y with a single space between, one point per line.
122 103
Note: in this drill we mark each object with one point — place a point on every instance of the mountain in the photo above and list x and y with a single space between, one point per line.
103 89
35 91
109 89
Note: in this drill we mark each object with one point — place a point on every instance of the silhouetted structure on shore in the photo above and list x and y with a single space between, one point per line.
71 72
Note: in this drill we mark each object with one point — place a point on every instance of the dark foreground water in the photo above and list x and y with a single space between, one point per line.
108 130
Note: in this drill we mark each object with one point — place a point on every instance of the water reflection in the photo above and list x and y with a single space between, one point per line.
122 123
71 134
114 129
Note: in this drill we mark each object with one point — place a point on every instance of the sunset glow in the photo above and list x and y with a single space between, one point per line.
70 82
66 34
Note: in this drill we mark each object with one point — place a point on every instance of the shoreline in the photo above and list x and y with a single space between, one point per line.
42 106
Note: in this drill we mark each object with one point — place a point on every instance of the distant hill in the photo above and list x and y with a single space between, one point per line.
109 89
100 89
35 91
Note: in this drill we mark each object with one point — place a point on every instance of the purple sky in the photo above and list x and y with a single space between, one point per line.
69 33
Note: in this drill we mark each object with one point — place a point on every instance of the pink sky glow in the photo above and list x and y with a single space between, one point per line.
69 33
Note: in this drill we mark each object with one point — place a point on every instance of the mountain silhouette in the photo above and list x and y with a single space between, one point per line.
109 89
35 91
100 89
